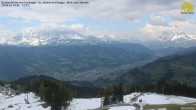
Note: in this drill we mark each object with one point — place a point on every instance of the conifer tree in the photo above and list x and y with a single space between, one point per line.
120 92
41 91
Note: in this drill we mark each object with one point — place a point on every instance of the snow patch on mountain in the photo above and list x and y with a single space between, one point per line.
173 36
85 104
10 101
154 98
38 37
122 108
35 37
172 39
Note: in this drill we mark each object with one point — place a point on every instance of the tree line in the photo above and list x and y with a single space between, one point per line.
114 94
52 92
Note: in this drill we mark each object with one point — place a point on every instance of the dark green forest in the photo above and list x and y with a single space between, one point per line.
174 68
55 93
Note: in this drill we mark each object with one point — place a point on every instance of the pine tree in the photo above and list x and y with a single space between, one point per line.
120 92
106 100
115 94
42 90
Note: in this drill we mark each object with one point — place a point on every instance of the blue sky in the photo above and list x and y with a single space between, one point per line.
132 17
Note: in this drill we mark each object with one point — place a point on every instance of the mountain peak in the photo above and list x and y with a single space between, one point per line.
37 37
172 39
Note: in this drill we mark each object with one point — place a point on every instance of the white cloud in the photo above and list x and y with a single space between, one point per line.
176 26
176 15
158 21
193 21
134 21
2 26
133 11
53 26
77 27
99 9
149 28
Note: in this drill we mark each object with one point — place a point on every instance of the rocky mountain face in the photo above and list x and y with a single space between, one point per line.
34 37
171 39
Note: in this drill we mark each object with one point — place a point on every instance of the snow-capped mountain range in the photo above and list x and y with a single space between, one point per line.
172 39
35 37
173 36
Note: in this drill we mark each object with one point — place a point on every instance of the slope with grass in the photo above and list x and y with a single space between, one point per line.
175 68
